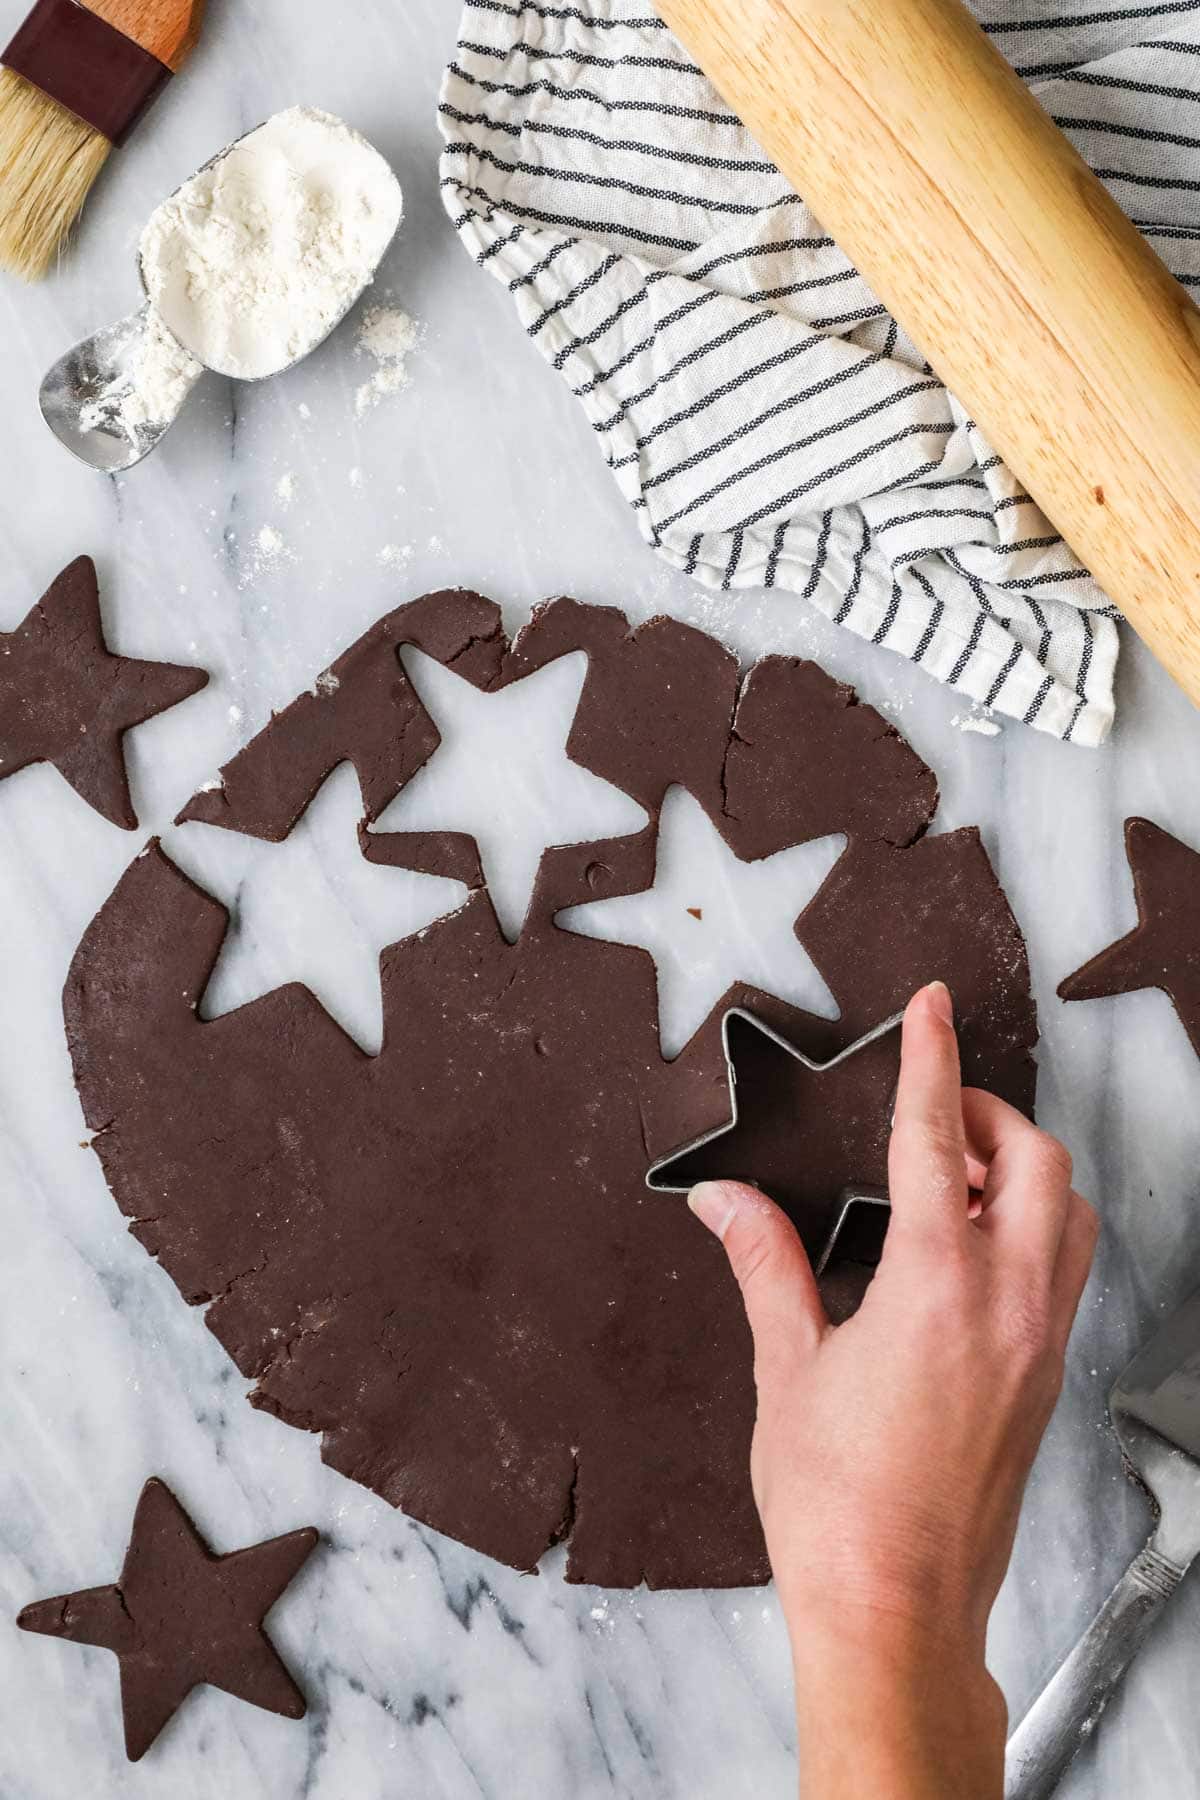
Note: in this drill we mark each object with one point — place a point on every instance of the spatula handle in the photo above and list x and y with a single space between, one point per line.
1066 1712
168 29
1003 257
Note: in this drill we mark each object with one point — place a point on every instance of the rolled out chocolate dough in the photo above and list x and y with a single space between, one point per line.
445 1258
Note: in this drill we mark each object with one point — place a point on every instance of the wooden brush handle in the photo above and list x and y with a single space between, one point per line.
168 29
1005 260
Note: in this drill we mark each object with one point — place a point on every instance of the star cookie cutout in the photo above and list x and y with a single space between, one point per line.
180 1616
713 920
545 798
795 1126
66 699
1163 949
310 908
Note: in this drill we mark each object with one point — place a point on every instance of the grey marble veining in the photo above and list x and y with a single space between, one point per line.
434 1674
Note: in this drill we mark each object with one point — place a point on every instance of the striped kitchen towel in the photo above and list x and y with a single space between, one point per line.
761 411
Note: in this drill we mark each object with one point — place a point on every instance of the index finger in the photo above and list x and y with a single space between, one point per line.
927 1166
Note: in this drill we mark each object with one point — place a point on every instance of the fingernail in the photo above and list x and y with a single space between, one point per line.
938 995
715 1204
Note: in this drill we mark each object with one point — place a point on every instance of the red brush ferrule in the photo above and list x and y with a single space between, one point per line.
87 65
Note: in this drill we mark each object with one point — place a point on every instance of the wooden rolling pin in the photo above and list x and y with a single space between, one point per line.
1005 260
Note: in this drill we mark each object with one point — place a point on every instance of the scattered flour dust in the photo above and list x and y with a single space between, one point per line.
285 489
395 556
389 336
981 726
269 551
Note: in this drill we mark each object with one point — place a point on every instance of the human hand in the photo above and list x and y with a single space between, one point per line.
890 1454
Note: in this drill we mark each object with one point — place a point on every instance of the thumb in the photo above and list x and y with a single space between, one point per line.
772 1269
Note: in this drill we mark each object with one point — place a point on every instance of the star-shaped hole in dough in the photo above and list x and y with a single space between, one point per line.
501 774
712 921
310 909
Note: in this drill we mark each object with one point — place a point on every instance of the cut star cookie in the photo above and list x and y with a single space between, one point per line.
180 1616
1163 949
66 699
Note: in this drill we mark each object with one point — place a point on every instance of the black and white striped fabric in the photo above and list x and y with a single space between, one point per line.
761 411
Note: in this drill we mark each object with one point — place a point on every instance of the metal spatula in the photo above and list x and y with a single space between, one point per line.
1155 1409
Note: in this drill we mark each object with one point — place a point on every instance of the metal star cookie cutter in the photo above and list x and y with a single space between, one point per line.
853 1200
859 1229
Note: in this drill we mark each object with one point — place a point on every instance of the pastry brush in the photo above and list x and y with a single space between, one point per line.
1004 258
75 81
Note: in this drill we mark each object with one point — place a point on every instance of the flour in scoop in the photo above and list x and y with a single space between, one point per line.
259 256
149 394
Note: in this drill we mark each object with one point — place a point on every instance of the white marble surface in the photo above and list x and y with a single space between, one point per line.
434 1674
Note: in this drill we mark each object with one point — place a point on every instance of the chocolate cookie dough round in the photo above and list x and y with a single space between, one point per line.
444 1258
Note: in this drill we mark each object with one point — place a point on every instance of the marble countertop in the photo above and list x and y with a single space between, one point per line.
433 1673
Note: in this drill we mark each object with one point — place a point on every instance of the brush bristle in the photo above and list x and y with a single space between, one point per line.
48 162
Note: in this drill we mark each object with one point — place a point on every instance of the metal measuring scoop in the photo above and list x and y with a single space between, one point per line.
83 396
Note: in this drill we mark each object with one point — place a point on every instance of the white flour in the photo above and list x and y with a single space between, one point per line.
975 722
162 374
388 335
257 257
